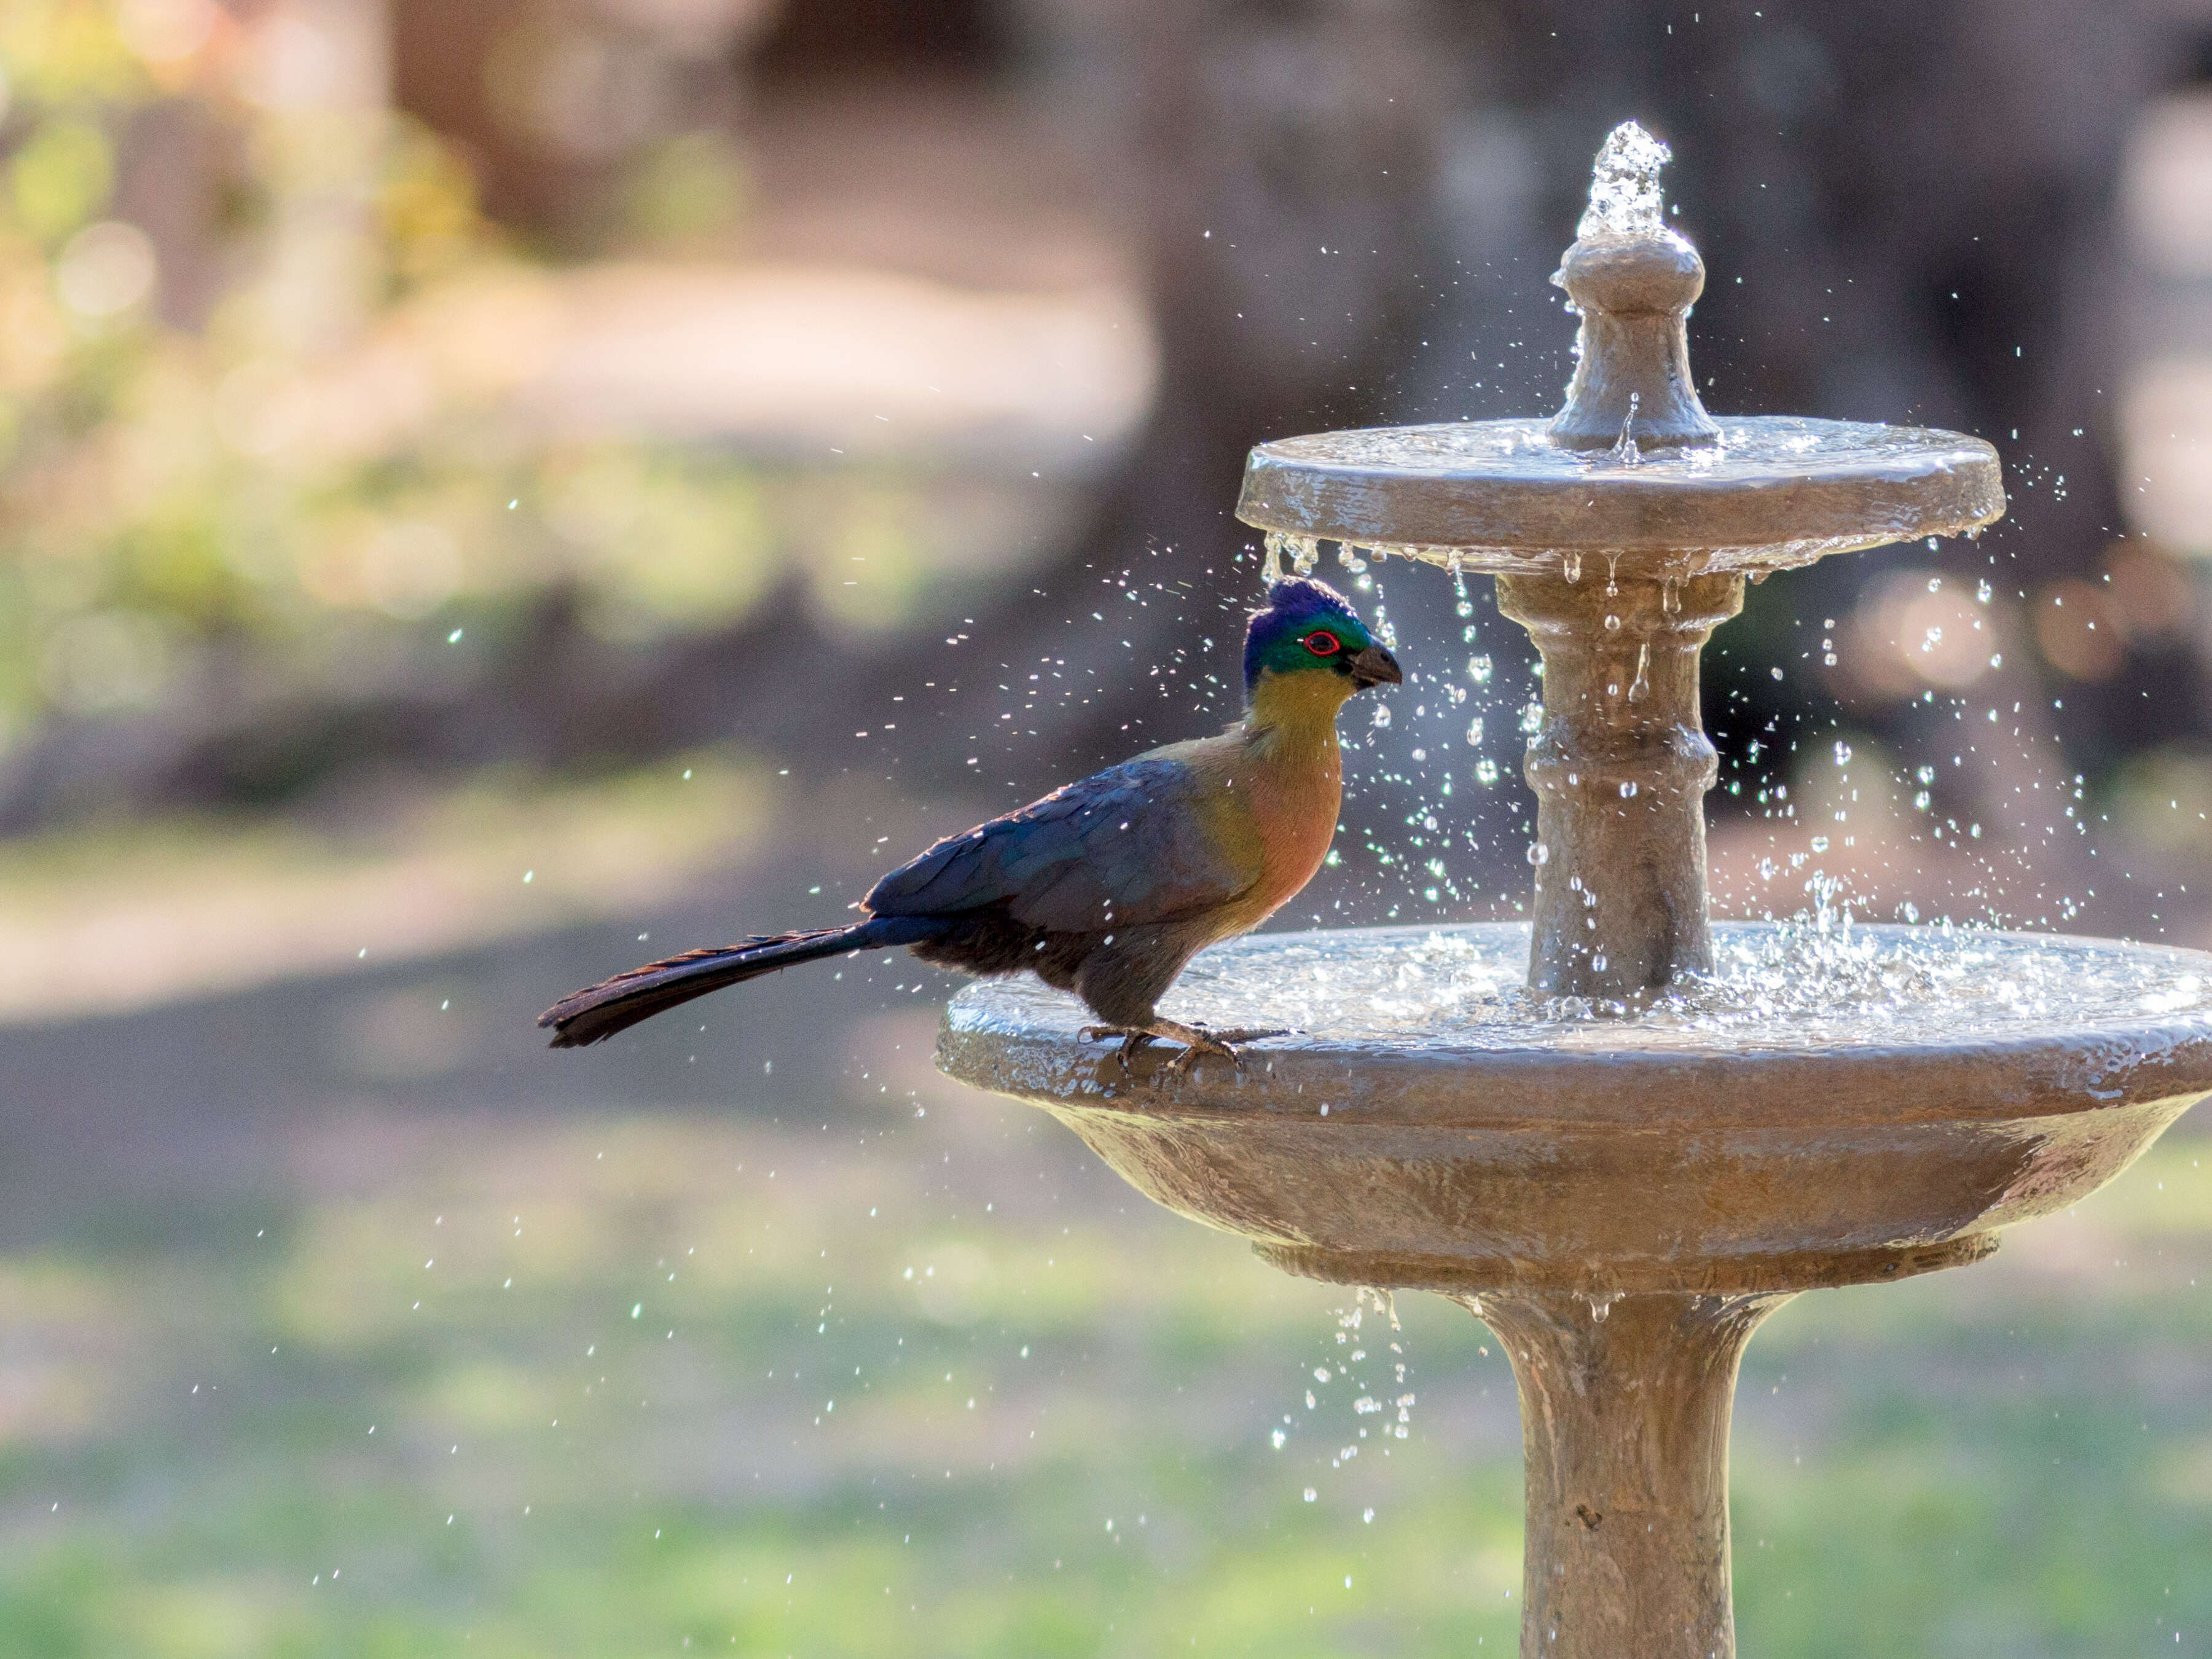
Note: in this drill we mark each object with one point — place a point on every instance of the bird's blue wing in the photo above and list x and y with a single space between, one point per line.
1137 843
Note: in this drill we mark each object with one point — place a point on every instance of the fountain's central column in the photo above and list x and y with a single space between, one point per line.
1621 768
1625 1429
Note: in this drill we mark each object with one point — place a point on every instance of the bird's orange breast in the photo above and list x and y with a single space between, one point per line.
1293 805
1281 793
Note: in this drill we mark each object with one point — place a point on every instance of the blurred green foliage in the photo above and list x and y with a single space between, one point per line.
286 418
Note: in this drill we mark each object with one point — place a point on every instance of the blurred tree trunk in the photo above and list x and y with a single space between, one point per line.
1282 161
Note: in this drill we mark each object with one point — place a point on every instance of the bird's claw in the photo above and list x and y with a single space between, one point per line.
1204 1041
1184 1063
1198 1042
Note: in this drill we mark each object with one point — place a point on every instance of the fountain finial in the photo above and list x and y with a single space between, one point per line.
1633 281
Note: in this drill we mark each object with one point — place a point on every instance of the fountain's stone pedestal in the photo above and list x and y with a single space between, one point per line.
1623 1200
1625 1432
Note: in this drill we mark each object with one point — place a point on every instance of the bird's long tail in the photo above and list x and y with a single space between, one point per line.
597 1012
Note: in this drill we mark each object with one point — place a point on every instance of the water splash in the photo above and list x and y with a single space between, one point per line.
1624 198
1819 980
1624 449
1348 1369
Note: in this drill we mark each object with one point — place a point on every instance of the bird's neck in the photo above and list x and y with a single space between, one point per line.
1293 717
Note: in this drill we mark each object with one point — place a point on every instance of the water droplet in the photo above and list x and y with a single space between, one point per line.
1612 624
1478 670
1485 771
1624 449
1572 568
1475 732
1539 853
1382 713
1820 843
1628 791
1842 753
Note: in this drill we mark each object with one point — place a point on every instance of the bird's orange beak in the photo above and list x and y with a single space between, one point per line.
1375 666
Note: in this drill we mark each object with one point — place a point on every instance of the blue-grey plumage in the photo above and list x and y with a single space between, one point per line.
1109 886
1130 844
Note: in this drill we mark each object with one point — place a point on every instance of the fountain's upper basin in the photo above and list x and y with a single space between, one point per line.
1835 1106
1772 493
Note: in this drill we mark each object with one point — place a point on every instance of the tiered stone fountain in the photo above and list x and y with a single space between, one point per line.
1626 1162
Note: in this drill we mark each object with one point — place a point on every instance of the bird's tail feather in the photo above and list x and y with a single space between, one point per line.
597 1012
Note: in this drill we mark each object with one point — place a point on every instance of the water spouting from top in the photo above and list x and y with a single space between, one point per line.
1624 198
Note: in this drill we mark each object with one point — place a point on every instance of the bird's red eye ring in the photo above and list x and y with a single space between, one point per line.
1322 643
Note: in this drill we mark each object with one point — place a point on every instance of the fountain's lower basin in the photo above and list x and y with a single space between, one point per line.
1428 1125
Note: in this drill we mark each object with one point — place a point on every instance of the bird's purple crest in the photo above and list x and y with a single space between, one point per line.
1295 605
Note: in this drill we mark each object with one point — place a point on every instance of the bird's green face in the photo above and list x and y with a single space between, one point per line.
1307 628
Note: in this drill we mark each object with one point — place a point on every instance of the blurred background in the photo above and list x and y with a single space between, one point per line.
494 489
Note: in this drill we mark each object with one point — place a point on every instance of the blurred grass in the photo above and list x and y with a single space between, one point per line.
132 914
934 1385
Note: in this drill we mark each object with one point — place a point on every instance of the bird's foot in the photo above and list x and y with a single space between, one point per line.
1132 1038
1199 1041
